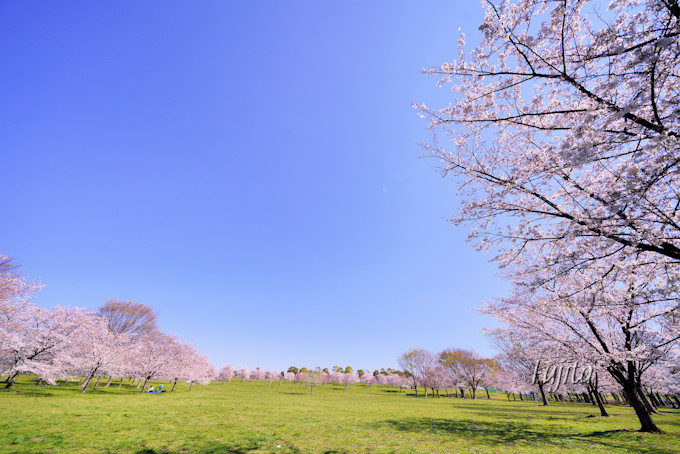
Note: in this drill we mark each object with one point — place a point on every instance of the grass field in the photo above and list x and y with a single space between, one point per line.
251 418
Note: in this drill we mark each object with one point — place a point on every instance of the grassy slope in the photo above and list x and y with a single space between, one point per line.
249 417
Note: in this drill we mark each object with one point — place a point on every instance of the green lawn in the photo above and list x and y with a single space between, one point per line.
250 417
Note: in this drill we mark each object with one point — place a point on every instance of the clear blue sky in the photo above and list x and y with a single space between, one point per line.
249 169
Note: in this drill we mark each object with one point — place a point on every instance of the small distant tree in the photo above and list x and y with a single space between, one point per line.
466 366
348 379
311 379
244 374
226 373
271 377
293 370
416 363
349 370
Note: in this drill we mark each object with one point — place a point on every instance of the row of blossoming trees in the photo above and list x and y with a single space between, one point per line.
121 341
317 377
564 135
525 372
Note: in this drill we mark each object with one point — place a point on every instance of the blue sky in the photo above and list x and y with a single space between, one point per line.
250 170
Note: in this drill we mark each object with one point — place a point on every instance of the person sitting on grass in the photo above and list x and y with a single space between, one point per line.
150 389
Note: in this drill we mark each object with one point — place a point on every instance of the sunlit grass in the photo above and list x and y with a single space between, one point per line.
251 417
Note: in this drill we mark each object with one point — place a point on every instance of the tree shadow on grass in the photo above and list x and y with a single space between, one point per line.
509 432
210 449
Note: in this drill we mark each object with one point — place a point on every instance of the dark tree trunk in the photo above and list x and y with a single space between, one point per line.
173 385
644 400
636 400
108 383
191 384
600 404
661 399
487 393
86 383
120 383
540 387
97 382
677 400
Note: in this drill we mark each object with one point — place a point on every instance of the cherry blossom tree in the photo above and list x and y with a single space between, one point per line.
153 354
611 313
289 376
368 379
42 342
198 369
466 366
566 121
258 374
97 349
271 377
311 378
15 298
243 373
398 381
347 379
416 363
226 373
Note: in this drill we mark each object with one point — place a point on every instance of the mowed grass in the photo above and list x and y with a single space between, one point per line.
253 418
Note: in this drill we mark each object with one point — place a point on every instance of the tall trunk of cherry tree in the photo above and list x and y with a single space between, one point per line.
146 380
641 393
462 393
636 400
658 399
86 383
108 383
600 404
591 395
487 393
97 382
173 385
540 387
120 383
191 384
